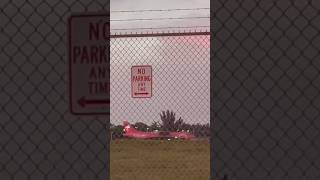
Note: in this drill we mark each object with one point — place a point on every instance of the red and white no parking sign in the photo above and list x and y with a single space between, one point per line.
89 64
141 81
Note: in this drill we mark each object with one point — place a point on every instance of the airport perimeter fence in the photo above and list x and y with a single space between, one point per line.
179 102
180 63
39 138
265 125
266 87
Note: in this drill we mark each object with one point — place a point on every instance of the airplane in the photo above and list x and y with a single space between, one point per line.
131 132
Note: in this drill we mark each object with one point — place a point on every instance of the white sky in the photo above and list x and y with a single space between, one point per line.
180 68
117 5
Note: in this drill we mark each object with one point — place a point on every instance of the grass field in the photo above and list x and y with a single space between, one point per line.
159 160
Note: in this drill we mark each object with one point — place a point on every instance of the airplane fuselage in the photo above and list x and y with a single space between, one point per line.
131 132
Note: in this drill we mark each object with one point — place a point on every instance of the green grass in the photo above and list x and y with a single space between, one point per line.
160 160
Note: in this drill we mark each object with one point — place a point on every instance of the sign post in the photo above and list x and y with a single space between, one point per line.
141 81
89 64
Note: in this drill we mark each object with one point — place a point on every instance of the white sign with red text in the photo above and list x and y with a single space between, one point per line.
89 64
141 81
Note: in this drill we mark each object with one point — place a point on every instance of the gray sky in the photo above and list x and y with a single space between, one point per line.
117 5
180 65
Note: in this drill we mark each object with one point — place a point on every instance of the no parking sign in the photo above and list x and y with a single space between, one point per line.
141 81
89 64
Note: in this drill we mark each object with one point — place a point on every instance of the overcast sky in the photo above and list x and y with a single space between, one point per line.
180 65
120 5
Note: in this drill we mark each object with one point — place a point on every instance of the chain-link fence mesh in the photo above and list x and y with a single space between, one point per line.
180 85
266 89
265 94
180 77
40 139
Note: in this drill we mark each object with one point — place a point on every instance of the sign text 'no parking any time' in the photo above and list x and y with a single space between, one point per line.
141 81
89 64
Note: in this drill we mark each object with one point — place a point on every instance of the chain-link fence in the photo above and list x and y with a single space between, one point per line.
179 105
265 57
265 95
39 138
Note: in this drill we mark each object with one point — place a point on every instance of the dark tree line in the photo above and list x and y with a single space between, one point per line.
168 122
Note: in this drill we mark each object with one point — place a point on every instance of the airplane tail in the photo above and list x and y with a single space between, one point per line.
127 128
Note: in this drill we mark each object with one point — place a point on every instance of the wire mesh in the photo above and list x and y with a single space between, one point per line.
180 77
40 139
266 89
266 94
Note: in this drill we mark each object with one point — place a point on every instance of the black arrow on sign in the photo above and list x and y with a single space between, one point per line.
83 101
141 93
